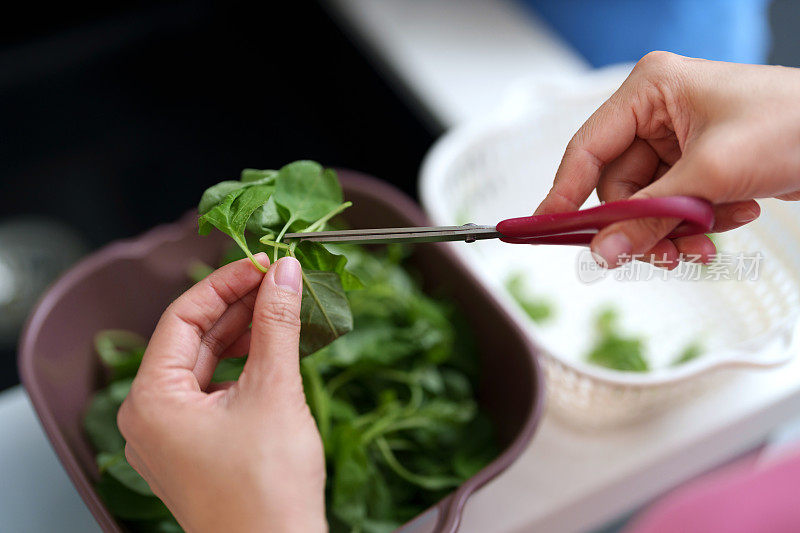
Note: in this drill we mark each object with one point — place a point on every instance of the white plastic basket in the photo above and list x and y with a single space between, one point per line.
502 166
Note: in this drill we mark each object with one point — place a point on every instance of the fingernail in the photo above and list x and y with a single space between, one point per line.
744 215
287 274
612 247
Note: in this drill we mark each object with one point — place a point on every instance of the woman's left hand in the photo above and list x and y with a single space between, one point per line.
237 456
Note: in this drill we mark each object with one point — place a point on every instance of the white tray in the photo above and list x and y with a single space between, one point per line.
741 310
575 480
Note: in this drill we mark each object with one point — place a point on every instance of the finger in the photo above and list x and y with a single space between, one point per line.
239 347
218 340
667 148
633 237
663 255
790 197
704 173
619 242
735 214
603 138
695 248
219 386
628 173
173 352
623 239
275 334
661 170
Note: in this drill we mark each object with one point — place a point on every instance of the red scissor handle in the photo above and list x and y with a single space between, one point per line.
567 228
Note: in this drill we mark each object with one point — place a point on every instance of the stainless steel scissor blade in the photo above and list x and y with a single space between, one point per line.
467 233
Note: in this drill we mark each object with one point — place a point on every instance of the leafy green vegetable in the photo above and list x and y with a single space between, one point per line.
620 352
261 207
690 353
123 490
118 467
538 309
216 194
324 313
232 213
253 175
615 350
127 504
197 270
314 256
100 421
228 369
121 351
249 178
426 482
394 399
304 191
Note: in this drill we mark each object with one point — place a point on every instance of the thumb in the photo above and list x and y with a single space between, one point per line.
275 336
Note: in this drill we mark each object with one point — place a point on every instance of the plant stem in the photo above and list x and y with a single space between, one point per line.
427 482
275 245
268 242
243 245
280 236
342 378
319 224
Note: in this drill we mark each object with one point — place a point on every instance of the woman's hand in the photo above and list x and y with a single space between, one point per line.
238 456
725 132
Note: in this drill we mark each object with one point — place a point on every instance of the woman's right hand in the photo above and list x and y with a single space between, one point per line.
725 132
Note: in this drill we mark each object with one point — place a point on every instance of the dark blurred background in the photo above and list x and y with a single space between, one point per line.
115 117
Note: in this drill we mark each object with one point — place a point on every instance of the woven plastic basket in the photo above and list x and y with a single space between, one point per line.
503 165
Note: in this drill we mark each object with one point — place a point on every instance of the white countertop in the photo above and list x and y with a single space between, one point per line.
572 481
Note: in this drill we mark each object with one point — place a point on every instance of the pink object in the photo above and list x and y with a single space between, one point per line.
740 498
567 228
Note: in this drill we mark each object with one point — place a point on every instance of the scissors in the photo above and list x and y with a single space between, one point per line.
572 228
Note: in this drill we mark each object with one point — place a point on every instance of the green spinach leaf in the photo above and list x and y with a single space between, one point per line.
314 256
100 421
254 175
127 504
350 486
118 467
306 192
232 213
324 313
615 350
690 353
537 309
121 351
267 202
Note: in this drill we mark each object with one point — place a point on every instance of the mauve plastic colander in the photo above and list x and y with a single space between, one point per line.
129 283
